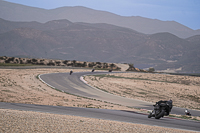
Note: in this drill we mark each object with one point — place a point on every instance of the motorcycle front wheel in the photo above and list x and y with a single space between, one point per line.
150 115
161 114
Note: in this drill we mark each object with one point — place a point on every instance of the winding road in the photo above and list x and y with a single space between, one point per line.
73 84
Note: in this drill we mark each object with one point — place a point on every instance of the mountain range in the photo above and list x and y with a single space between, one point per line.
16 12
99 42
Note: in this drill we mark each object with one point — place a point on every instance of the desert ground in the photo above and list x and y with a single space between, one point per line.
23 86
183 90
12 121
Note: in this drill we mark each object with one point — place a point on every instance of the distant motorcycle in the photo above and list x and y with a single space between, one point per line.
161 109
92 70
187 112
71 72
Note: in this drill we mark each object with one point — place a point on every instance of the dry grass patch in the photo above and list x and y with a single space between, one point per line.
183 90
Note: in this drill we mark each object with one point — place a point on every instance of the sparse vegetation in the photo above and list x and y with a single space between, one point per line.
185 117
166 80
14 61
11 64
151 69
151 87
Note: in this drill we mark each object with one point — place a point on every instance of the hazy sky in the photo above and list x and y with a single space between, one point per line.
186 12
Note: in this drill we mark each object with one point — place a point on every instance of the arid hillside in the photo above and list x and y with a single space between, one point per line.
100 42
17 12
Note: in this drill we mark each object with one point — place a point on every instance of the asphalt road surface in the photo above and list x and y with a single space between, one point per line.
72 84
106 114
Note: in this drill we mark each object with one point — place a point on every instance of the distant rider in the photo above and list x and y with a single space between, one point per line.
187 112
71 72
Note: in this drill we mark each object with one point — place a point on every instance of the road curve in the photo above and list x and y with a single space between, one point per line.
73 85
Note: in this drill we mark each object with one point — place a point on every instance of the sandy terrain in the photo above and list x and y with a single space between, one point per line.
12 121
183 90
23 86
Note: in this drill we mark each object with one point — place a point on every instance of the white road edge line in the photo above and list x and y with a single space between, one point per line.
44 81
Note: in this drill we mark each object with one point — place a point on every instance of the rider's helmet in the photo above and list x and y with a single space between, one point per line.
170 101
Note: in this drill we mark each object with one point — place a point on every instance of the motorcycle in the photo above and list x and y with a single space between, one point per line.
187 112
160 110
71 72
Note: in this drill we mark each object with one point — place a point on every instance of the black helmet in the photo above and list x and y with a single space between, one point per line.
170 101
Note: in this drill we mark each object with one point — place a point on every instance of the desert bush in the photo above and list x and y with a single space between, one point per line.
151 69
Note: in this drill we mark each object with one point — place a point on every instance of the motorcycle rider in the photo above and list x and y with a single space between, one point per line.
71 72
187 112
168 107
